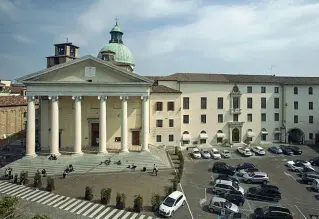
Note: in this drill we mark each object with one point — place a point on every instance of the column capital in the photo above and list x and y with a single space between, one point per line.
144 98
53 98
123 97
29 98
77 98
102 97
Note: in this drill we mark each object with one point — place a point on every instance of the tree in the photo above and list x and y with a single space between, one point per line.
8 205
40 217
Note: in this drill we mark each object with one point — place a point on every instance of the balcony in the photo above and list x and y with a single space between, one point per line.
235 111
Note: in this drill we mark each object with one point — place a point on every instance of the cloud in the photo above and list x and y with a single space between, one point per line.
22 39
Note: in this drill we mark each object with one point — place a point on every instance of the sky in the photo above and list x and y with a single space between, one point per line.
278 37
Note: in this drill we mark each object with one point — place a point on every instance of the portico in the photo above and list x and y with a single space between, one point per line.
112 98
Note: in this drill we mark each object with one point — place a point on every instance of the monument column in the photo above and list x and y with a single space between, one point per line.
77 125
102 124
145 122
54 125
30 146
124 124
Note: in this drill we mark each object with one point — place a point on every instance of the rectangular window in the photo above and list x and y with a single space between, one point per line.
263 117
203 118
276 90
171 123
310 105
220 103
310 136
276 117
296 119
202 141
186 119
185 102
159 123
203 103
235 117
249 117
263 102
249 89
295 105
276 102
170 106
159 106
220 118
158 138
117 139
263 90
295 90
249 102
311 119
171 138
236 104
310 91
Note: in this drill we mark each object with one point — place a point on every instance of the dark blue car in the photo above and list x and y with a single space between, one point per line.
245 166
286 150
275 150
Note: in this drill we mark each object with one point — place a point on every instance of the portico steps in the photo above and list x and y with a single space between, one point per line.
240 144
91 163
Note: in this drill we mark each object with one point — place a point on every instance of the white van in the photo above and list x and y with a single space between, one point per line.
315 185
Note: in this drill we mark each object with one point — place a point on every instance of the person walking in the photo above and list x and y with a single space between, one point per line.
154 169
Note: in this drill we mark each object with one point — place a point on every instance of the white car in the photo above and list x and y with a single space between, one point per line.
244 151
304 162
258 150
225 153
217 204
172 203
205 154
215 154
196 154
298 166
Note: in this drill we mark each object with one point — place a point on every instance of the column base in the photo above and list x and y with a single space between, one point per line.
31 155
77 153
102 153
125 150
145 150
56 154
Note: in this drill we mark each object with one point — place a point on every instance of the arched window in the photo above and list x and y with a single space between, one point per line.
250 130
264 134
219 131
263 130
203 132
185 133
310 91
295 90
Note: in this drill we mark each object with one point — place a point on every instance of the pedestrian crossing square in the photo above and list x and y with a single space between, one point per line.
73 205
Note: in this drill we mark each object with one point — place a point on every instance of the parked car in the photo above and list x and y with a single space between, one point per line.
245 166
258 150
306 163
238 216
248 170
215 154
205 154
272 212
221 167
256 177
297 167
216 204
235 197
268 186
225 154
315 185
227 177
314 161
296 150
307 169
309 177
222 186
244 151
286 150
275 150
172 203
196 154
263 194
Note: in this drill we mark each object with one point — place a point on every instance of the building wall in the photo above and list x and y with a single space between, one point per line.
12 120
165 116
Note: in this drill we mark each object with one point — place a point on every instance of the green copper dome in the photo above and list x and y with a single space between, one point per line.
122 53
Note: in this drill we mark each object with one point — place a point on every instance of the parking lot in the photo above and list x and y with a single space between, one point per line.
298 197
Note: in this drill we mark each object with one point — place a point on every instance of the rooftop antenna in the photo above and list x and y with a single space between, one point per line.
67 40
116 20
271 68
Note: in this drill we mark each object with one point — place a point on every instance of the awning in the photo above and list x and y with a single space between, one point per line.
186 137
250 134
220 135
203 136
264 133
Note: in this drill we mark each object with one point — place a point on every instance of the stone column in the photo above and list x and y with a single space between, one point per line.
145 122
124 124
230 136
54 125
77 125
30 147
102 123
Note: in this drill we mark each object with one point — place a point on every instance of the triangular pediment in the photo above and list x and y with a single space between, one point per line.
85 69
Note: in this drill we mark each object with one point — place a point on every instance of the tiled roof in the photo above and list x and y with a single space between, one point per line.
163 89
15 89
239 78
7 101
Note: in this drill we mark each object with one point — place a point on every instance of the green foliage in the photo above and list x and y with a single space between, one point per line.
155 201
8 205
37 180
88 193
106 196
38 216
138 203
50 184
120 200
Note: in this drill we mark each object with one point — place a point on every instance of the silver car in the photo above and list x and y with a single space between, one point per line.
256 177
218 204
225 153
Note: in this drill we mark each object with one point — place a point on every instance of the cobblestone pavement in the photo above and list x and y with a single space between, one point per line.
72 205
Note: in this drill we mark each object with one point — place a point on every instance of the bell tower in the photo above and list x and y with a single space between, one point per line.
64 52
